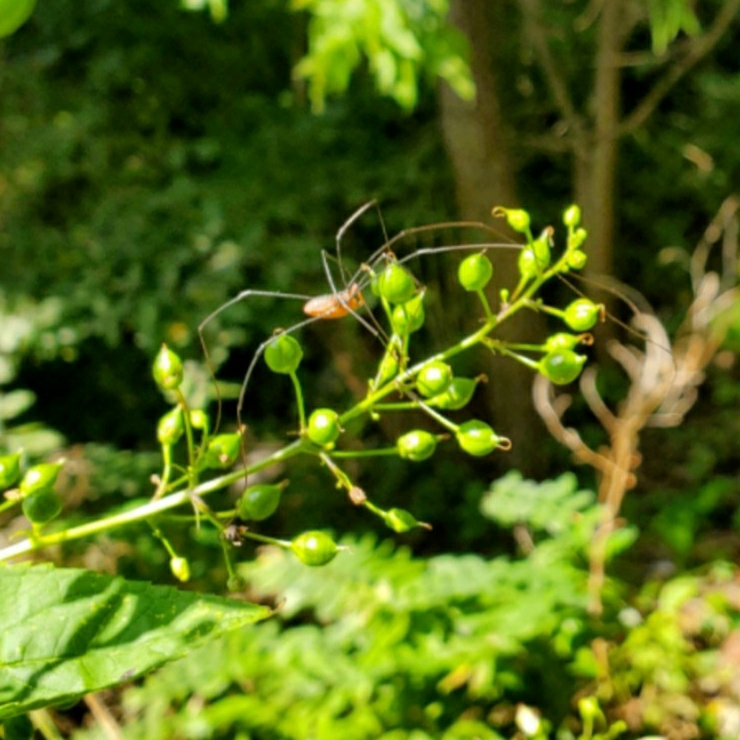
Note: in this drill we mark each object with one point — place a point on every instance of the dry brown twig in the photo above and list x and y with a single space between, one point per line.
664 380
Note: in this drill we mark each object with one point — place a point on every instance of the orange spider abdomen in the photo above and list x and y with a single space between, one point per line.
334 305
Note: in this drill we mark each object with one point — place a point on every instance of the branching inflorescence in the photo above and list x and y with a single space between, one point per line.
399 383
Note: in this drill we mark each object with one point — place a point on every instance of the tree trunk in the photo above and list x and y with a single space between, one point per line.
477 145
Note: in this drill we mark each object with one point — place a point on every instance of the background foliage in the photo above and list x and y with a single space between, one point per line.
155 163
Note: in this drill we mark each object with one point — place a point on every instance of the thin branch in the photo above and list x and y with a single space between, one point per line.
698 47
556 82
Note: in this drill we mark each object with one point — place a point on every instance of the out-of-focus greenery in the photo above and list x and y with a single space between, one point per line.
380 644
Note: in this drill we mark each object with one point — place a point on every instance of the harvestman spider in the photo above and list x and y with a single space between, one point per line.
347 299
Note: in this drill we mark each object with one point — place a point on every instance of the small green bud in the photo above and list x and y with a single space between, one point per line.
541 249
576 259
41 506
396 284
577 238
388 368
433 378
222 451
323 427
515 217
39 478
561 366
582 314
10 470
475 272
400 520
528 267
283 354
416 445
572 216
409 317
314 548
170 427
260 501
477 438
180 569
167 369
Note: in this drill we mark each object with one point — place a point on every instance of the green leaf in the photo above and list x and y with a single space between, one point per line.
14 403
68 632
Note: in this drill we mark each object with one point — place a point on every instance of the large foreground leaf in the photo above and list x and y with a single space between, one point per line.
66 632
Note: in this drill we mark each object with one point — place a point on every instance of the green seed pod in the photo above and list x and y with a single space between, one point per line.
400 520
582 314
562 340
561 366
572 216
576 259
475 272
41 506
167 369
388 368
541 249
170 427
314 548
283 354
222 451
396 284
528 267
39 478
409 317
477 438
10 470
515 217
323 427
13 14
235 583
260 501
416 445
433 378
180 569
199 419
457 395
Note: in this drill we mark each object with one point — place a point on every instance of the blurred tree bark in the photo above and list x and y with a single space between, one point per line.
482 146
478 145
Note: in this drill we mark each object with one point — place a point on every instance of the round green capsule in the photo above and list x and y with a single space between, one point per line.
576 259
314 548
170 427
222 451
416 445
408 317
562 340
39 478
477 438
396 284
561 366
167 369
515 217
475 272
260 501
433 378
582 314
42 506
323 427
457 395
283 354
